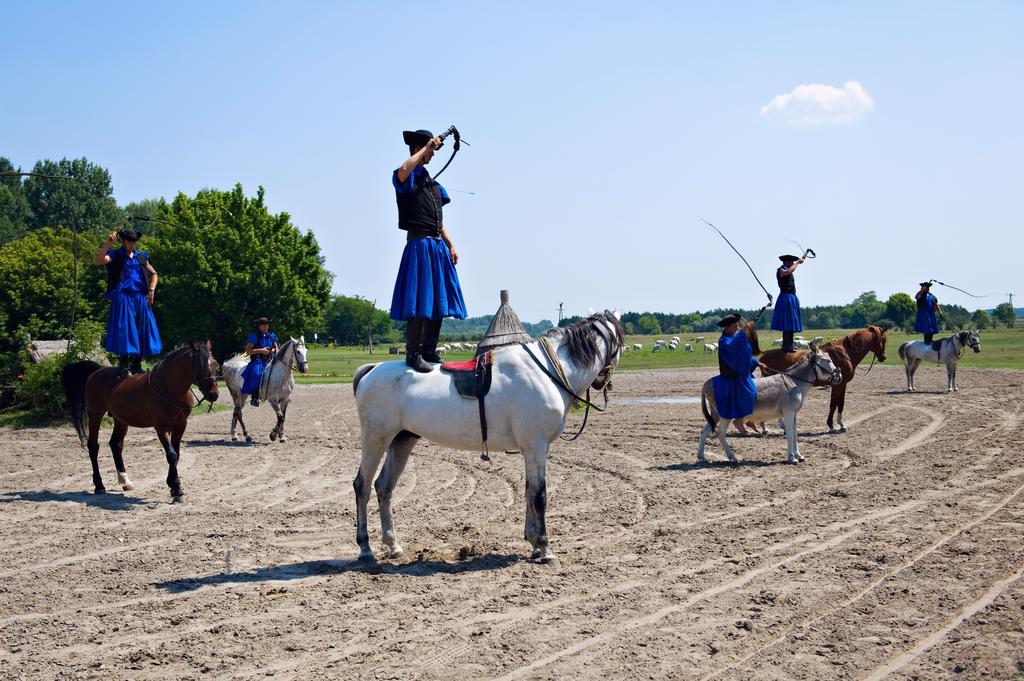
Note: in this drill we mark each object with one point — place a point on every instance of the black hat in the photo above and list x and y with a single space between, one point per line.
925 283
789 258
261 320
129 234
729 320
417 138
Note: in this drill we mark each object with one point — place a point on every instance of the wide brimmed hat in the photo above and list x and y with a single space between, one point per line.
789 258
729 320
261 320
925 283
417 138
129 234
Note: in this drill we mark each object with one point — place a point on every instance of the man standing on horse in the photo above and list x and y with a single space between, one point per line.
131 285
927 307
735 390
427 288
786 316
261 345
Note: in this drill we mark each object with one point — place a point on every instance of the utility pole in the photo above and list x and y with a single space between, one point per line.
1011 299
560 307
369 326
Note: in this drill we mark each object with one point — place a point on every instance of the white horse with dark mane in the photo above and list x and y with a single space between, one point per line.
779 396
525 411
275 387
945 351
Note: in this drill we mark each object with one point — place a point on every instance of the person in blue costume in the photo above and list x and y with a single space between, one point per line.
427 288
927 307
131 286
260 346
735 390
786 315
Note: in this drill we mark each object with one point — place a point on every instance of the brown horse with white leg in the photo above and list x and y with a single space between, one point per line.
846 354
160 399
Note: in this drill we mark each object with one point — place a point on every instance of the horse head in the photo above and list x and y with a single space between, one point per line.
204 369
609 327
299 350
972 339
824 368
878 339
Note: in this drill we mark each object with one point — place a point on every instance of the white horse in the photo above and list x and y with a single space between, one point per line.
276 385
949 351
526 410
779 396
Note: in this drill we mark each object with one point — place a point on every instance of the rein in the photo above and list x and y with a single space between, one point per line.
563 384
149 382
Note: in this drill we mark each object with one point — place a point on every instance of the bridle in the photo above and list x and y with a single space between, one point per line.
198 359
816 365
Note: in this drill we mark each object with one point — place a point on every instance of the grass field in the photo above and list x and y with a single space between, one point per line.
1000 348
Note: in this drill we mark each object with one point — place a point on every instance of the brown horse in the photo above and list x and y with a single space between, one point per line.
846 354
159 399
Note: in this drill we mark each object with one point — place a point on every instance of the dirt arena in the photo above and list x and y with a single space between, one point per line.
895 549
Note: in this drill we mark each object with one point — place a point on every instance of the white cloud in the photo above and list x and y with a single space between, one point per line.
817 104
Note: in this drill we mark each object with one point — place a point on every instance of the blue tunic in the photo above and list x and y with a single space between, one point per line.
427 285
253 372
926 321
786 315
734 397
131 327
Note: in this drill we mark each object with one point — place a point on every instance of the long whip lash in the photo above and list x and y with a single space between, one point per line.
741 258
940 283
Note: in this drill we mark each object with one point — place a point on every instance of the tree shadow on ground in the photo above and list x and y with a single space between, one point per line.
110 501
313 568
690 467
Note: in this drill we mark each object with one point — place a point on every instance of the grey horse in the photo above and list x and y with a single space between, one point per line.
946 351
276 386
780 396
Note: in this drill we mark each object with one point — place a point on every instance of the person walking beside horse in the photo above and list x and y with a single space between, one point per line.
927 307
786 316
260 346
735 391
427 288
131 286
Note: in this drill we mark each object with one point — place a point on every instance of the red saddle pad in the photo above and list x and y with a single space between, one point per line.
468 365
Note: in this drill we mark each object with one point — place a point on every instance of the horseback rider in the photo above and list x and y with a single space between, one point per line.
927 307
131 285
427 287
735 390
786 316
261 345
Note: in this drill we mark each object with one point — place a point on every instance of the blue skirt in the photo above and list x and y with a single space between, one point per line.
252 374
734 397
427 285
786 316
926 321
131 328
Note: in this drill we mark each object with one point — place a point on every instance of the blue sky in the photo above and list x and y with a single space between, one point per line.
601 133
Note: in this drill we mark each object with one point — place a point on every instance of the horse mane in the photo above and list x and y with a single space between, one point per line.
751 332
581 337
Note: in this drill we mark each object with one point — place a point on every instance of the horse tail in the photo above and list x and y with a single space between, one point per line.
360 372
73 378
903 351
704 408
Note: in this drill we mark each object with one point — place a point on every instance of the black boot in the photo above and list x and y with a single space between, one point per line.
136 364
428 341
787 341
124 364
413 334
928 338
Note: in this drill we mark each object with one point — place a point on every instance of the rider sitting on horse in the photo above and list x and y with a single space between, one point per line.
735 390
786 316
131 285
427 288
927 306
260 346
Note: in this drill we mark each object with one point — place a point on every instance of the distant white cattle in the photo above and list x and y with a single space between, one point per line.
676 339
699 339
688 347
777 343
638 346
801 344
818 340
711 347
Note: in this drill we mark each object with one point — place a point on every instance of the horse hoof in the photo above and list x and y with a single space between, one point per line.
177 498
100 490
535 554
832 431
396 552
273 435
128 487
550 560
367 557
843 429
283 439
248 439
234 438
800 457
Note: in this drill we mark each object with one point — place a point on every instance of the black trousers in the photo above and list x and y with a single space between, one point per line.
787 341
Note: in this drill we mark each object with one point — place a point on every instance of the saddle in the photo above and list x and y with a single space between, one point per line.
472 380
937 346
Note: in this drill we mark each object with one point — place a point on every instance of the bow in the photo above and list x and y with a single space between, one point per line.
769 303
455 148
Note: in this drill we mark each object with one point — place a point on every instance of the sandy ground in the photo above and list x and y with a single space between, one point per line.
895 549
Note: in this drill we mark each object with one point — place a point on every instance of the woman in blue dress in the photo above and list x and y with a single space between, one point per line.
131 286
786 315
735 390
260 346
927 307
427 288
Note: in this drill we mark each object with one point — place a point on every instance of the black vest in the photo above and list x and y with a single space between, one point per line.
922 302
115 269
419 211
786 284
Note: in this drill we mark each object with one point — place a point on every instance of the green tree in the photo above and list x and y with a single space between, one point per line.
1005 314
224 259
956 317
14 210
88 202
981 319
865 309
648 325
346 319
37 286
901 309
